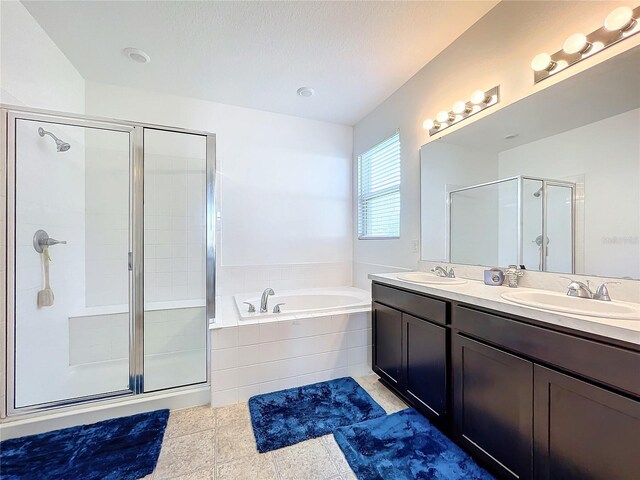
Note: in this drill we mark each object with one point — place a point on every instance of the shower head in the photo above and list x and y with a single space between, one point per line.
538 192
60 145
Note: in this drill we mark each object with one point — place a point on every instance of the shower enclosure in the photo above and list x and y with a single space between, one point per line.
519 220
110 259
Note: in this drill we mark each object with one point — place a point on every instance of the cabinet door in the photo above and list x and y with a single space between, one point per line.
425 360
493 411
387 343
582 431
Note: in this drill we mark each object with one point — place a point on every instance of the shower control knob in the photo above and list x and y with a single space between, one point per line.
41 240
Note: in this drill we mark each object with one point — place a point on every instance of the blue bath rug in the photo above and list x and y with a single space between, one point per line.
124 448
290 416
405 446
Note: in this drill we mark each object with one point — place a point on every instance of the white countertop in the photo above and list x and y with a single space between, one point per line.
477 293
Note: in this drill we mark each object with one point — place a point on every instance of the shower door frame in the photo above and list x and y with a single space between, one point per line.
9 116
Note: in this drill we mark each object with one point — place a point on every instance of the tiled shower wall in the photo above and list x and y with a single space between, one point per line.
291 276
174 229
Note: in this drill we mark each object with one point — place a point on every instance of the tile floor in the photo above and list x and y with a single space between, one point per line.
206 444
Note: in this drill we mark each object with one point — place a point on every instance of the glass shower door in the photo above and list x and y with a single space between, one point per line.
70 235
175 260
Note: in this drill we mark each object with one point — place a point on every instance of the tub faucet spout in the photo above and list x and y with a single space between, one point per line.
264 299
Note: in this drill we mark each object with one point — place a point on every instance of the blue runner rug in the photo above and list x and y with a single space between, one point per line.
405 446
124 448
290 416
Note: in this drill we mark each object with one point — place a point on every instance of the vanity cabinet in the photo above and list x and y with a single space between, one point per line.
425 364
387 343
529 400
528 403
493 406
410 347
582 431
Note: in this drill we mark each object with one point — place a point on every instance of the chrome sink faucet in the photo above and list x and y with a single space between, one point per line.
580 289
264 299
442 272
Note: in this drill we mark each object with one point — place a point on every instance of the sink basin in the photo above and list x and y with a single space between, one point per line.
429 278
559 302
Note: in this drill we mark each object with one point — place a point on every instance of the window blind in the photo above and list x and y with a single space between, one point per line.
379 190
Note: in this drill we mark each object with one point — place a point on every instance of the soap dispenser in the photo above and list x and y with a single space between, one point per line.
513 273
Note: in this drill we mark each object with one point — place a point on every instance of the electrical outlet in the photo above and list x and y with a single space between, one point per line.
415 245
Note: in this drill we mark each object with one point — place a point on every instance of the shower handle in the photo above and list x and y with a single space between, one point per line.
42 240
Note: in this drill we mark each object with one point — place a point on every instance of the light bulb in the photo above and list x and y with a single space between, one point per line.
542 62
478 97
460 107
442 116
576 43
619 19
428 124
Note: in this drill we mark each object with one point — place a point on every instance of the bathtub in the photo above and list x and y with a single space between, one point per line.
305 302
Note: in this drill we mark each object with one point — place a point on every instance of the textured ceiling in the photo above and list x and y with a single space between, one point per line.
257 54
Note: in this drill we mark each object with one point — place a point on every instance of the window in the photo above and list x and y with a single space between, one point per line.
379 190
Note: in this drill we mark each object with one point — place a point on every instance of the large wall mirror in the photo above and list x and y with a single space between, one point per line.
551 182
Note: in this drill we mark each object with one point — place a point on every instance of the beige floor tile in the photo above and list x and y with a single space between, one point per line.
385 398
367 380
234 441
260 466
190 420
206 474
186 454
337 457
307 460
232 415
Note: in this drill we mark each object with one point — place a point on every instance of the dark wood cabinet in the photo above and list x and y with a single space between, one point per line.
410 348
528 399
493 405
583 431
425 365
387 343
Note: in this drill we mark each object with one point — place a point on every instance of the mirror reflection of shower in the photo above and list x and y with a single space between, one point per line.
514 220
60 145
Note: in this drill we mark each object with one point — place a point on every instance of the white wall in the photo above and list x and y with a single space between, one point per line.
284 186
496 50
35 73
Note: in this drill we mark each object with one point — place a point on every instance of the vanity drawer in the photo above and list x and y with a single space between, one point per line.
417 305
607 364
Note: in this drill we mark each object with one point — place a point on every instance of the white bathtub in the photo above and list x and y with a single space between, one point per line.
305 302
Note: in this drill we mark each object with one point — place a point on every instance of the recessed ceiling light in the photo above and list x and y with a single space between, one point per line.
306 92
137 55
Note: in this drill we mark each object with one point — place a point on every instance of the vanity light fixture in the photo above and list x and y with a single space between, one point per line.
621 23
460 110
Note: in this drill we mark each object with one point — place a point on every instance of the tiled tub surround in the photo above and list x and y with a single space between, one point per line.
266 355
232 279
478 294
303 302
